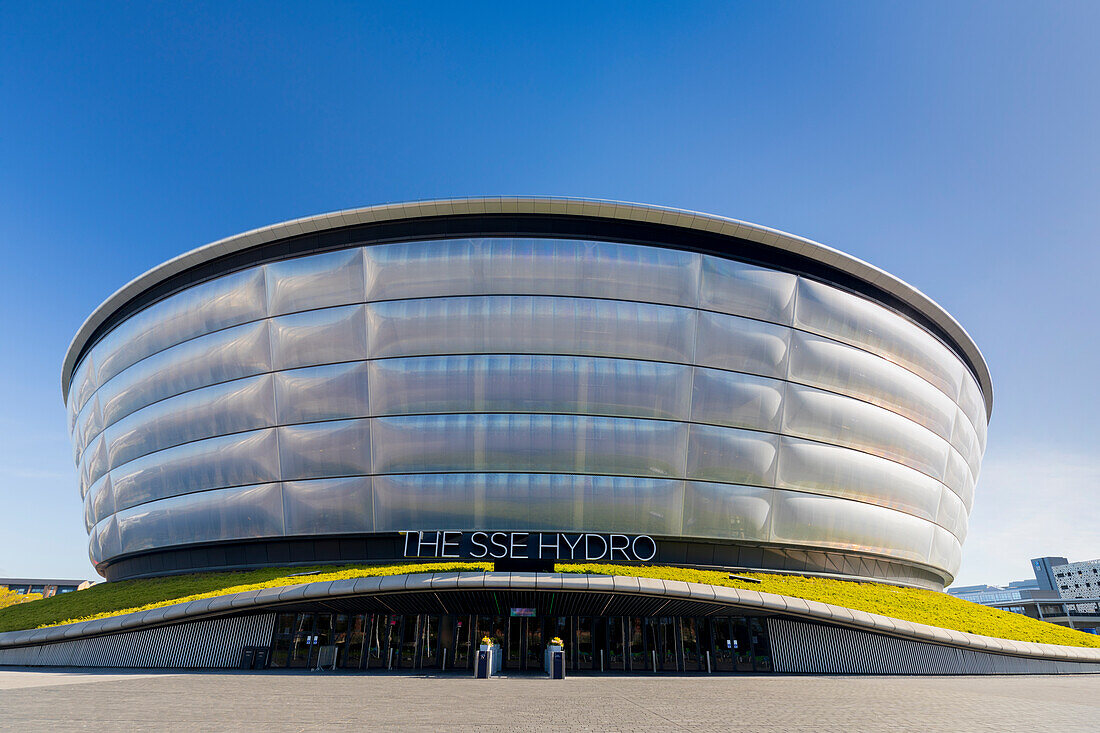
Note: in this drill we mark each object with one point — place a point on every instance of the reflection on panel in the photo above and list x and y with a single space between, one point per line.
558 443
966 442
732 456
952 514
83 384
741 345
326 392
219 357
210 306
946 551
318 281
99 503
532 267
328 506
325 449
224 514
828 469
855 320
833 366
104 541
231 460
727 511
233 407
517 383
523 501
958 478
319 337
736 400
973 406
747 290
840 524
89 423
94 464
521 324
831 418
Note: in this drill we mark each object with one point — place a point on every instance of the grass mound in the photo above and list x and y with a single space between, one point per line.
920 606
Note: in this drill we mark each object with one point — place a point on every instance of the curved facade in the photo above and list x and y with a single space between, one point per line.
304 394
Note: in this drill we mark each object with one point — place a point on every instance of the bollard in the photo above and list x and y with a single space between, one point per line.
654 653
444 667
601 660
708 661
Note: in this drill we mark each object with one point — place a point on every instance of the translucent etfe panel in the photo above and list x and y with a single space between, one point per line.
737 400
831 418
831 312
317 281
83 383
966 443
210 306
952 514
327 506
99 503
325 449
502 324
834 366
229 460
523 501
727 511
329 392
825 521
742 345
234 407
319 337
958 478
104 540
746 290
732 456
218 357
523 443
828 469
532 267
973 406
89 423
94 464
209 516
520 383
946 552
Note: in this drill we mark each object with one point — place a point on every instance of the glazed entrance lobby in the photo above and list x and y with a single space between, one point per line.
592 643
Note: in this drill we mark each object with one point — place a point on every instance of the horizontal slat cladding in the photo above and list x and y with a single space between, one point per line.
820 649
213 643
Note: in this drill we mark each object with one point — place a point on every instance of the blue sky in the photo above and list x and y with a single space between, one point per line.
952 144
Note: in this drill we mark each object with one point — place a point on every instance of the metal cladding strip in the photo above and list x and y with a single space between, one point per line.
205 644
561 206
235 603
813 648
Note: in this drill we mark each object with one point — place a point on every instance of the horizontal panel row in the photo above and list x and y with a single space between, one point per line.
537 267
442 268
526 502
559 444
523 383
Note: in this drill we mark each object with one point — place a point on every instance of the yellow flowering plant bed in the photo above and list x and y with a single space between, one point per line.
909 604
921 606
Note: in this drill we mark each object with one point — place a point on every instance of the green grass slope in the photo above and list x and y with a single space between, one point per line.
920 606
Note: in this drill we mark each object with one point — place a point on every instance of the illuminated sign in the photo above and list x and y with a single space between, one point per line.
523 612
529 545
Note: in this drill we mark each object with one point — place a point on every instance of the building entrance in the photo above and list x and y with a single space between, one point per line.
639 644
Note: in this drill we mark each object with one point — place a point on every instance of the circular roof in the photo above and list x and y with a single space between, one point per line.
550 206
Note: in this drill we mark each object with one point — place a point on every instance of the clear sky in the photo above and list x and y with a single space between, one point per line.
953 144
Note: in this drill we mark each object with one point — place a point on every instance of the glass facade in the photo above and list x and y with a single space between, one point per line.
523 384
442 642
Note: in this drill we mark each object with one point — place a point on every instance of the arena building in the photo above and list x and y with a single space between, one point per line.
524 381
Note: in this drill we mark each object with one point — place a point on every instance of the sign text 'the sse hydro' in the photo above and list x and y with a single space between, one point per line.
529 545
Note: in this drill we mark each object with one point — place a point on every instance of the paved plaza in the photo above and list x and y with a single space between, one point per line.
33 700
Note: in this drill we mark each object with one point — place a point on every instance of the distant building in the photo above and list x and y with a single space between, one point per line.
46 586
1079 580
1056 582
